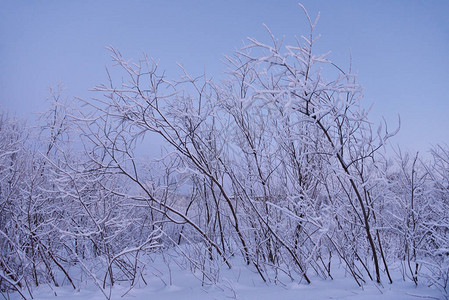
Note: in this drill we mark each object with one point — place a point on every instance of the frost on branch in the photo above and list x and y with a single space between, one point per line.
277 164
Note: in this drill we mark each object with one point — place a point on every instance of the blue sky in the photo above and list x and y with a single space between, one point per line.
399 48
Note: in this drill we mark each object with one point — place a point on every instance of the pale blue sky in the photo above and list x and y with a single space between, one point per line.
399 48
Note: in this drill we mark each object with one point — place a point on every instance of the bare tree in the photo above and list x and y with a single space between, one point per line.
277 163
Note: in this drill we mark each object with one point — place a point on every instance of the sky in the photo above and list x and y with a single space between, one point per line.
399 49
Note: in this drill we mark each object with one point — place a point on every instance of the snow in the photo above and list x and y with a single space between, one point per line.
240 282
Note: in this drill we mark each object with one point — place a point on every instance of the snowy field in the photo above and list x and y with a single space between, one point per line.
240 282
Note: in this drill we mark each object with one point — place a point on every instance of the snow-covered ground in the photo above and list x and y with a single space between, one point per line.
241 282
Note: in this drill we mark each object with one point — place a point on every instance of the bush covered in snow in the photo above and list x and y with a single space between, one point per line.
278 165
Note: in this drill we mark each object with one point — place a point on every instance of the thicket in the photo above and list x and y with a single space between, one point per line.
275 164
